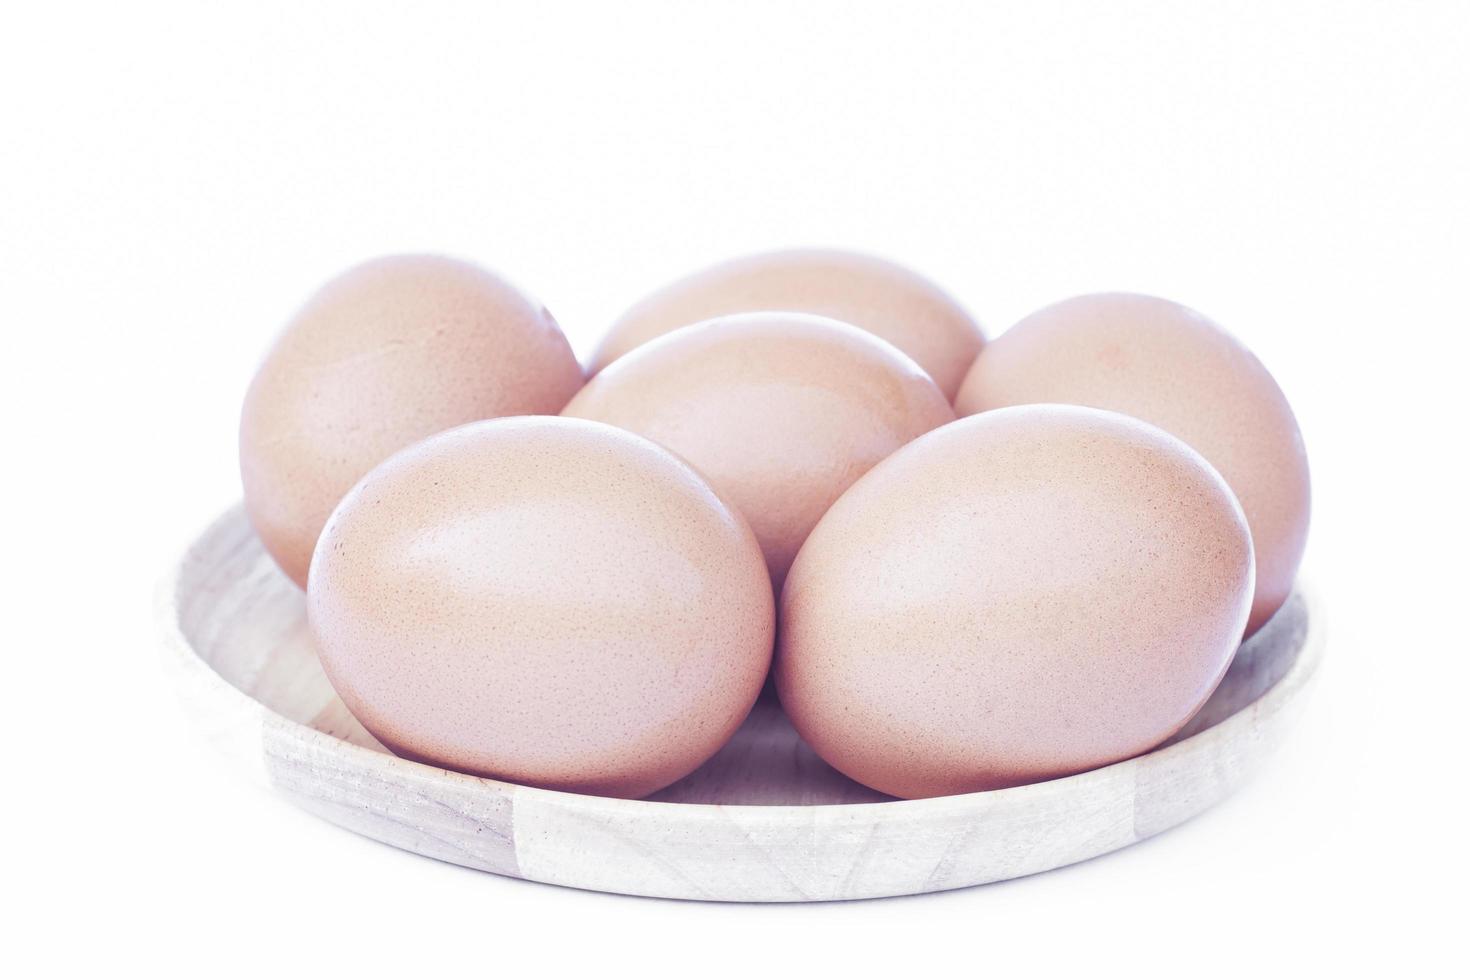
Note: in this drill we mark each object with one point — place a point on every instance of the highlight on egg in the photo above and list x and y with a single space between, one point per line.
1016 596
873 294
549 601
781 412
391 351
1168 365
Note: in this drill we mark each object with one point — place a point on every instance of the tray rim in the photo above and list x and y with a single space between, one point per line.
189 668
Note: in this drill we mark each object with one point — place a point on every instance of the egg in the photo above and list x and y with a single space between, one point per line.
781 412
885 299
549 601
389 352
1168 365
1016 596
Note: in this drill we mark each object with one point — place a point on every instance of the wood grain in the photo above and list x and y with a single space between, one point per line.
764 820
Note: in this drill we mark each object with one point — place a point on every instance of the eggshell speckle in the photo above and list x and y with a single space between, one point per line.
781 412
1016 596
1168 365
391 351
880 297
548 601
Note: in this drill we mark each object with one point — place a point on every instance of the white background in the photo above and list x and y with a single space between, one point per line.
173 181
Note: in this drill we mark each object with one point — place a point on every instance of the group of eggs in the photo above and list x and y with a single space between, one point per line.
966 565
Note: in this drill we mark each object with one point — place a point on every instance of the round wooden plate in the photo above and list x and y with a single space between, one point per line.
765 820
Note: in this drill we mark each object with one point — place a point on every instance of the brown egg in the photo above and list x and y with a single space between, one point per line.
888 300
391 351
1013 597
548 601
1166 364
781 412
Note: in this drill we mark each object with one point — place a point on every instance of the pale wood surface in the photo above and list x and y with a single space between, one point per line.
764 820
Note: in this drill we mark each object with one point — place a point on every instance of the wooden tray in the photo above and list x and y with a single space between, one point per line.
765 820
